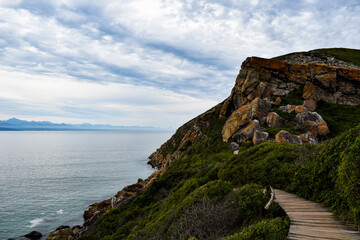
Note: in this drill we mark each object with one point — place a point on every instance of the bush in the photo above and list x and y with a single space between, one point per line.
269 229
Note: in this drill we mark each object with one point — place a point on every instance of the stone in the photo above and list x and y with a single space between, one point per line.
280 92
288 108
301 118
257 109
260 137
62 234
309 91
62 227
323 129
277 101
300 109
96 207
76 229
285 136
310 105
274 120
316 124
234 146
33 235
247 133
305 138
251 81
236 152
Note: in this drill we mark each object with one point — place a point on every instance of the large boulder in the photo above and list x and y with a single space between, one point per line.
33 235
285 136
316 124
62 234
247 132
256 109
260 137
274 120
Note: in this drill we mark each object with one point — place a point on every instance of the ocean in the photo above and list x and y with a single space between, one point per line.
48 179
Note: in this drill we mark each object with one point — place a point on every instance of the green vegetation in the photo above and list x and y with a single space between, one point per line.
267 229
332 176
345 54
339 117
210 193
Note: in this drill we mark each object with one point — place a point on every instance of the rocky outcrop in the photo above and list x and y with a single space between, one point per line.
33 235
316 56
256 109
184 137
65 233
263 78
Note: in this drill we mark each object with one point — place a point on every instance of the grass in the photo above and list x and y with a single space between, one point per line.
345 54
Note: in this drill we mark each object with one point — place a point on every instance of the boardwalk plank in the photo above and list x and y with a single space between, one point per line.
310 220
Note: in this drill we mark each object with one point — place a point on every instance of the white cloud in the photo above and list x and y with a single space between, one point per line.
140 57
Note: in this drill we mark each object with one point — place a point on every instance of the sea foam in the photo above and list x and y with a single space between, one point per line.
60 212
35 222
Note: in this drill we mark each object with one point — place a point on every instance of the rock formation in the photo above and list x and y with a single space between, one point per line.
262 79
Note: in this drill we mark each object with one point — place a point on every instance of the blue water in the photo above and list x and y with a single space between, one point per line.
48 179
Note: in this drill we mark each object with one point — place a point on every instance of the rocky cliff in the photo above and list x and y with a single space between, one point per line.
261 87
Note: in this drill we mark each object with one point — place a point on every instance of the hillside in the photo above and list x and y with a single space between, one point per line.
211 174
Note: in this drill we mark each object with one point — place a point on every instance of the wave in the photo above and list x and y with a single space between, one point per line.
35 222
60 212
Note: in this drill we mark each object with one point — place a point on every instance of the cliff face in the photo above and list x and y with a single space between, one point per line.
257 85
265 78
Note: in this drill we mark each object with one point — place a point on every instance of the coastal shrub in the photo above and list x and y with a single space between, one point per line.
339 118
268 229
250 202
332 176
208 219
269 163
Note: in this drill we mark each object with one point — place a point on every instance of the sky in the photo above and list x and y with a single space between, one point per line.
149 62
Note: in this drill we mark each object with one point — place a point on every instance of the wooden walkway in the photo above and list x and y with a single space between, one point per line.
310 220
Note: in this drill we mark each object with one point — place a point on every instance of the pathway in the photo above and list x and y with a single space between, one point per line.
310 220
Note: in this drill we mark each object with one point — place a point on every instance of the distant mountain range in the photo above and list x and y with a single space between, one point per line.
14 124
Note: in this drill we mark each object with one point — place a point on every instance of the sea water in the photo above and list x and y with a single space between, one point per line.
48 179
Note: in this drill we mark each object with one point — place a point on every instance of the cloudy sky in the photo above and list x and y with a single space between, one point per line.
149 62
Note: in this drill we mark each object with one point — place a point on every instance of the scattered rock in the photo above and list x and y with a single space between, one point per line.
62 227
236 152
234 146
301 118
285 136
274 120
310 105
62 234
96 207
33 235
247 133
305 138
300 109
288 108
277 101
260 137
